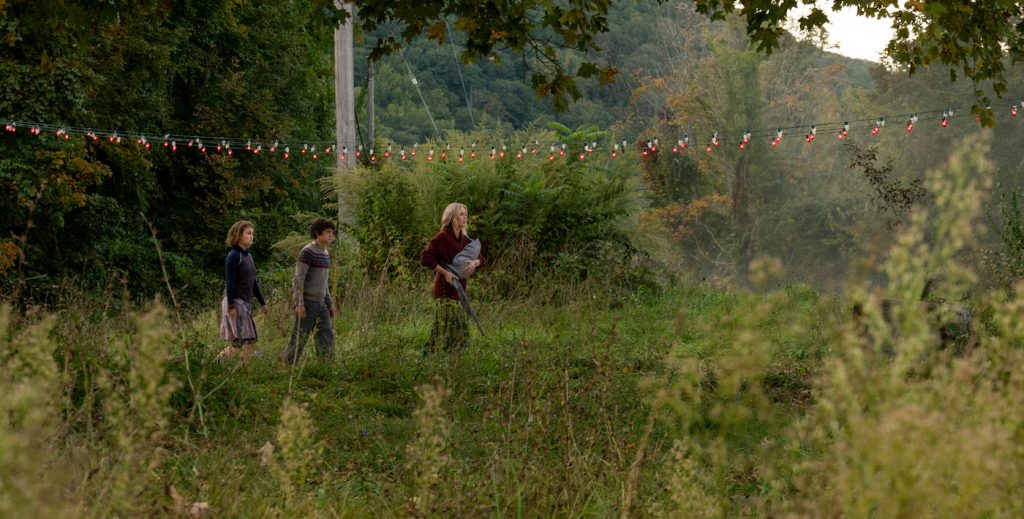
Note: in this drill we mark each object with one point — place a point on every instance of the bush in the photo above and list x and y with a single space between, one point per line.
576 218
1009 263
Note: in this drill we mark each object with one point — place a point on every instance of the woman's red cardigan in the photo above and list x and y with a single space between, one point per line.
441 250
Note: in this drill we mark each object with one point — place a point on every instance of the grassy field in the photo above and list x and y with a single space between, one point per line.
693 401
541 416
553 412
680 401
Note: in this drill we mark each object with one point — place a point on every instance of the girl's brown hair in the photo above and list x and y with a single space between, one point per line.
236 230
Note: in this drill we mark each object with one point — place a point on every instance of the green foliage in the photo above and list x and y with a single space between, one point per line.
577 139
797 201
1010 230
696 401
944 32
688 401
972 38
112 436
299 452
386 223
216 68
79 209
938 413
892 196
427 452
568 218
135 398
31 383
515 26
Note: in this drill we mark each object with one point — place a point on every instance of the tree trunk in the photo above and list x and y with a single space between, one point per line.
741 212
23 242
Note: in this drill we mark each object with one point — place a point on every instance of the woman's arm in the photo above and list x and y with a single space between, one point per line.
429 255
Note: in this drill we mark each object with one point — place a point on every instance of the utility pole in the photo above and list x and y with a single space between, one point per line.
344 103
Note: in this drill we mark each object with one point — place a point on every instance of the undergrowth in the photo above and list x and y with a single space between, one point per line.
673 401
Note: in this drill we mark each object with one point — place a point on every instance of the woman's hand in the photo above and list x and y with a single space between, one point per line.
471 267
233 314
265 310
448 276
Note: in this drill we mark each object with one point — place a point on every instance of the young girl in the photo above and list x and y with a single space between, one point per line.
237 324
450 326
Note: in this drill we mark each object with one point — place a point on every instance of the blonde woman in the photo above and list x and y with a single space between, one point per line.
237 324
450 326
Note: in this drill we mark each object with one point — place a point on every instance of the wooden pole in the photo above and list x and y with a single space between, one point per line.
344 104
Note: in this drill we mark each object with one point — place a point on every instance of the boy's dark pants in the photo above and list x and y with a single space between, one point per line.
315 311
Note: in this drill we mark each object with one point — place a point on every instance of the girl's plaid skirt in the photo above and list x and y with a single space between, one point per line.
242 329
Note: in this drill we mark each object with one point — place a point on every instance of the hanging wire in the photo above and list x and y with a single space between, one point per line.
313 147
417 85
461 79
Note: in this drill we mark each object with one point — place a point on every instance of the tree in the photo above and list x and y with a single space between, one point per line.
76 211
534 28
972 37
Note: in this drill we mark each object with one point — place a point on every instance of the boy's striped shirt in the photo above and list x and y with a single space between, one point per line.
311 273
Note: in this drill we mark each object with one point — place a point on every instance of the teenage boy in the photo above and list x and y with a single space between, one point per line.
311 297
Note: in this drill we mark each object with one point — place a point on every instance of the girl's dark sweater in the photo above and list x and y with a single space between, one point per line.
240 272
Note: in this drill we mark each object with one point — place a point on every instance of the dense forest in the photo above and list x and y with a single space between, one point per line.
727 283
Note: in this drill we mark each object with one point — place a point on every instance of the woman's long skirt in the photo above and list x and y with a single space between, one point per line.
451 329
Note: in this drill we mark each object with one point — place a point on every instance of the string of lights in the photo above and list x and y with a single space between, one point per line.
315 149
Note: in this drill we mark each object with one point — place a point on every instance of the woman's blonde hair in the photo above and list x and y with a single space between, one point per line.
236 230
449 214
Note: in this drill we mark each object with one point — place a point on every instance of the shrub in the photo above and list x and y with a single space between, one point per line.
1009 263
579 218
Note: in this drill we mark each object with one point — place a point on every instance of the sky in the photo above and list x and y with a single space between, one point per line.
857 37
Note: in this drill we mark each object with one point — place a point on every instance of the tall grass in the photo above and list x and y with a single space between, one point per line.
906 425
689 401
109 468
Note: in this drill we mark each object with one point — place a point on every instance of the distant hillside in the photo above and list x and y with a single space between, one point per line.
645 38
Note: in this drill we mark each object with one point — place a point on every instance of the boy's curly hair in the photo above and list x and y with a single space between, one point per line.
320 225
